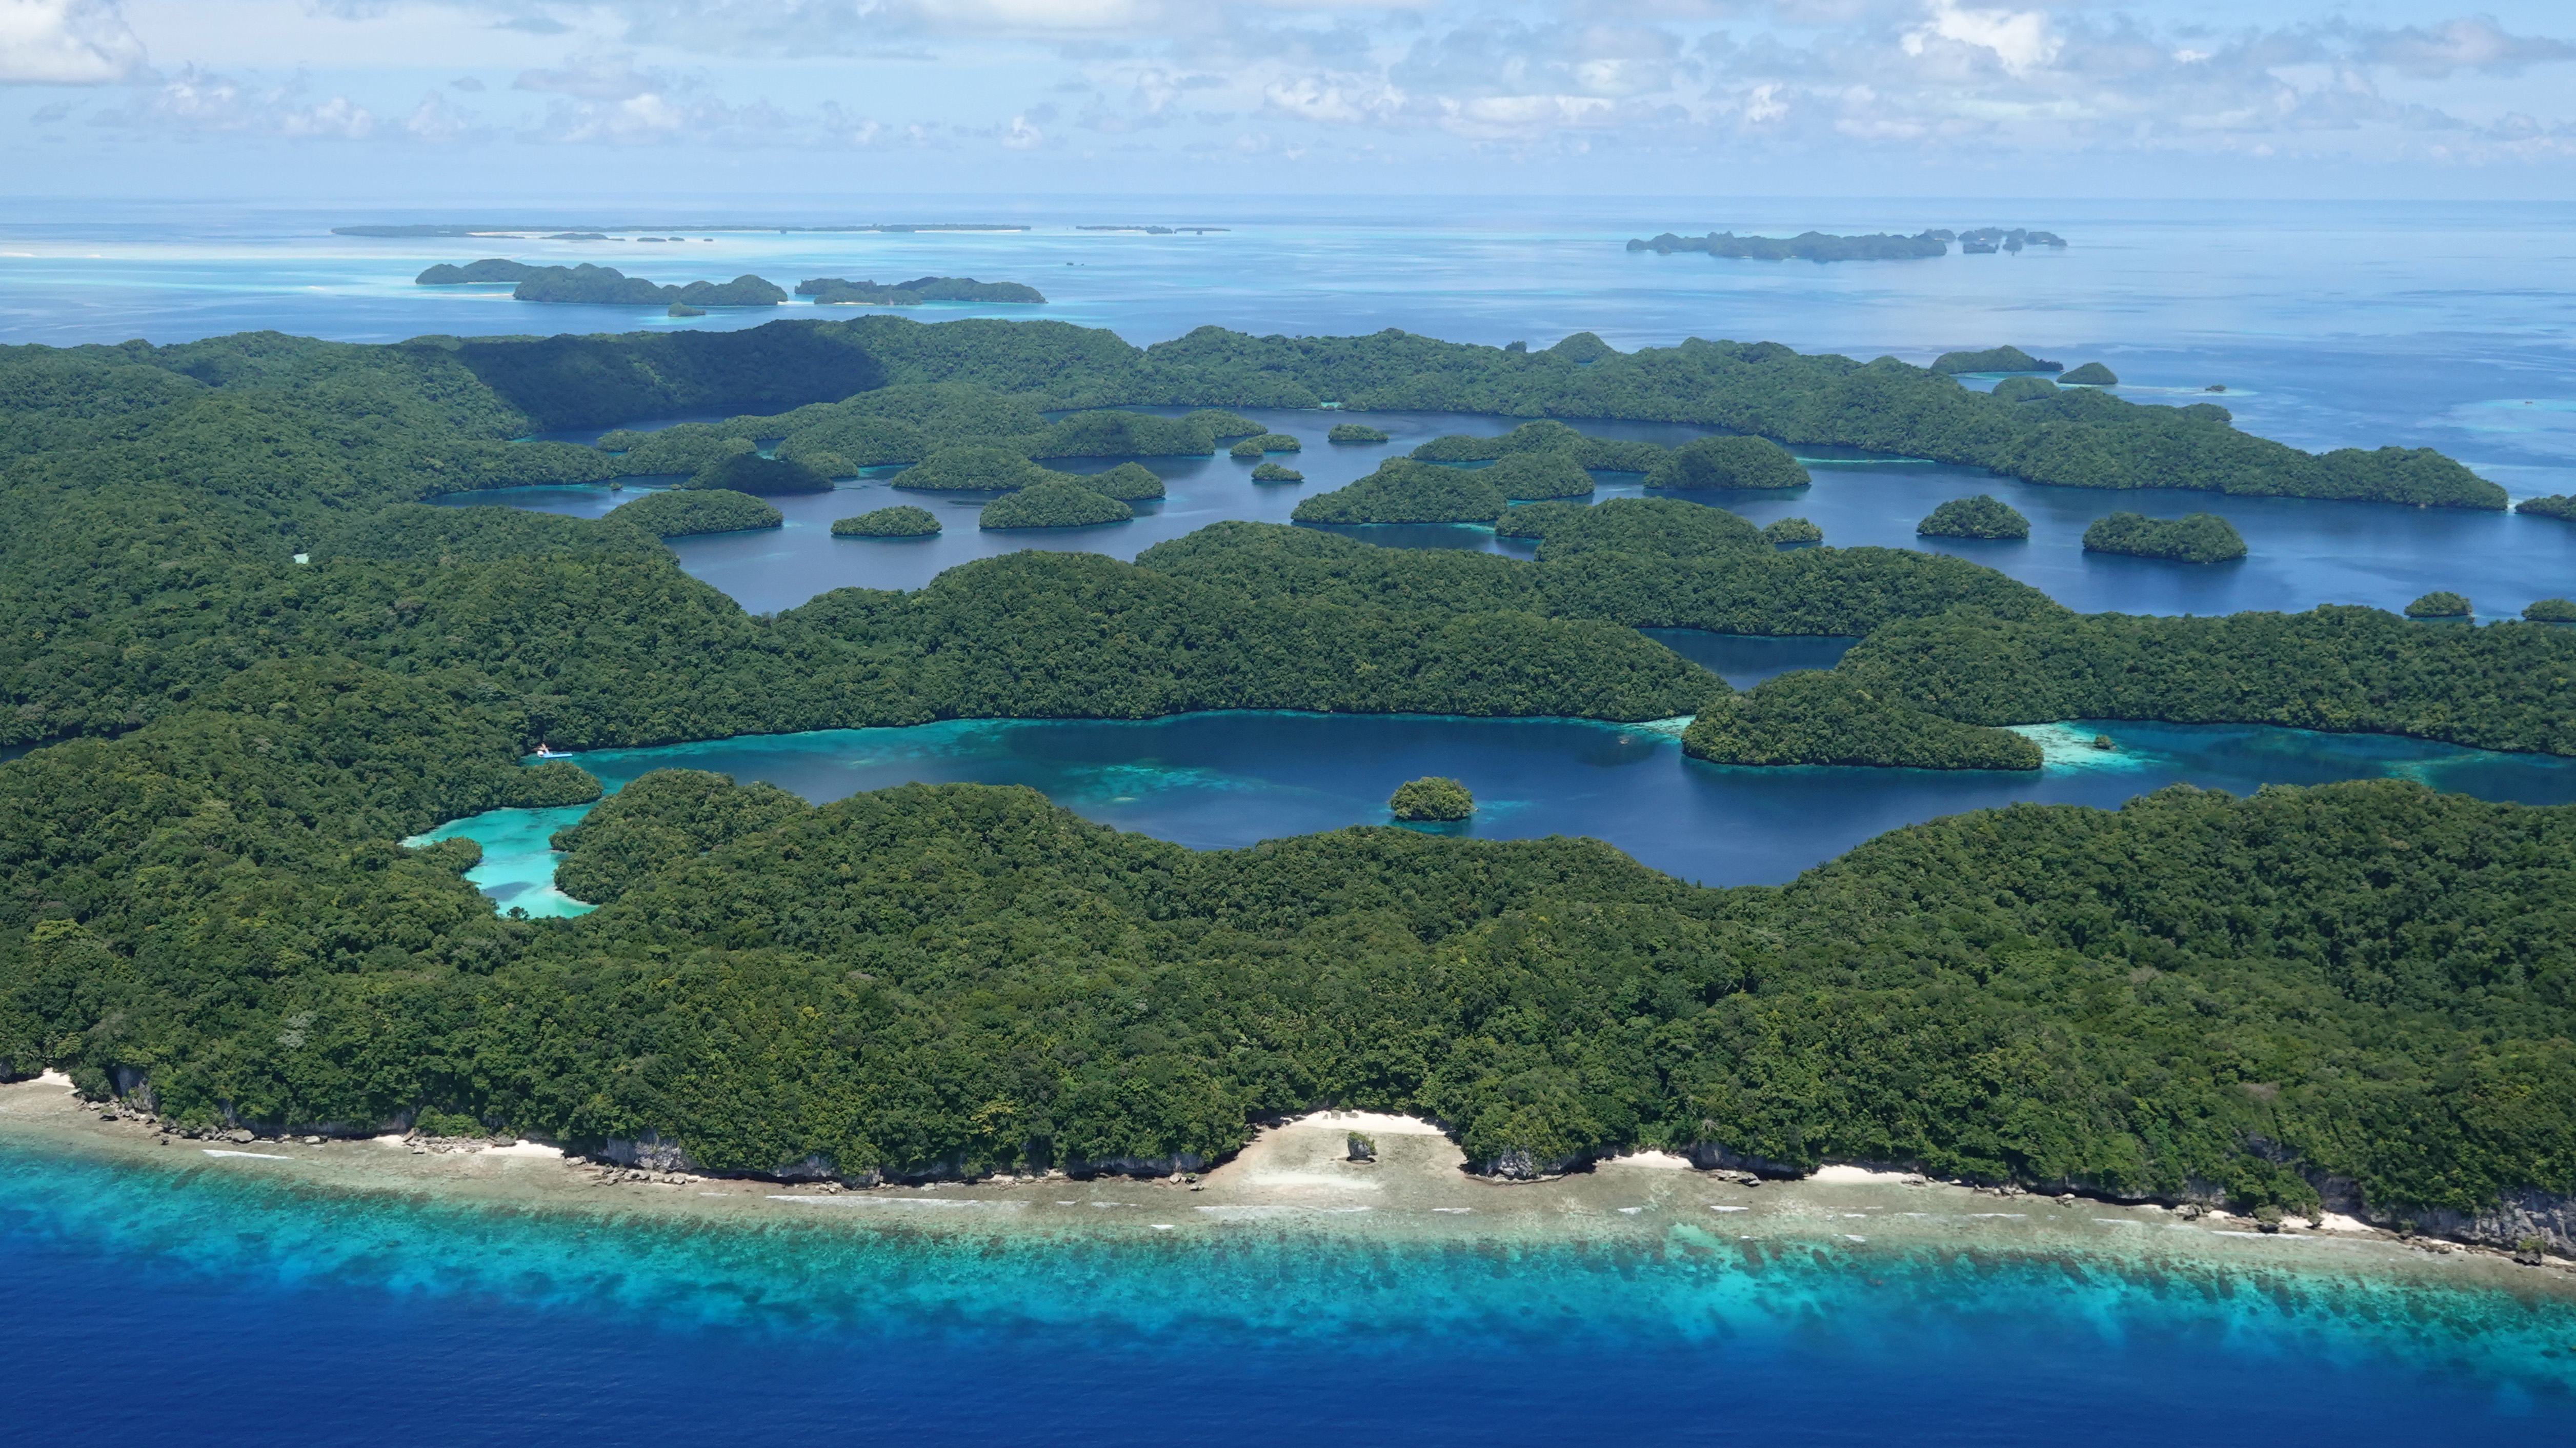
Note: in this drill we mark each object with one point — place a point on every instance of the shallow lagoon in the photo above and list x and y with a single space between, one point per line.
1225 780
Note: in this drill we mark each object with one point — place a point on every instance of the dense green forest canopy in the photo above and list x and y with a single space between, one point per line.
1066 504
2191 538
434 414
1814 716
900 521
206 901
1983 516
1404 491
838 291
2369 981
1431 799
697 509
594 284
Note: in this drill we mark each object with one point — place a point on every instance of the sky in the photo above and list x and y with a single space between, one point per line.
327 100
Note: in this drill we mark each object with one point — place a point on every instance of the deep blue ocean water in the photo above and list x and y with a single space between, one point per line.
150 1306
203 1305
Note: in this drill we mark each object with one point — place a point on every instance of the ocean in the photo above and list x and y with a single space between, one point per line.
214 1305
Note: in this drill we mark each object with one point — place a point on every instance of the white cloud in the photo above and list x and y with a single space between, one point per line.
2018 39
202 103
66 42
2477 44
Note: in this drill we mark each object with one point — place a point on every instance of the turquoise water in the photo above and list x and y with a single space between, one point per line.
1216 781
257 1312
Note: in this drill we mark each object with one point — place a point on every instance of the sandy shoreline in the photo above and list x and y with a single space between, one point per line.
1294 1179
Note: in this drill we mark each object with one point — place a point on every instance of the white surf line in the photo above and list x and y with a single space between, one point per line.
859 1201
253 1155
1255 1211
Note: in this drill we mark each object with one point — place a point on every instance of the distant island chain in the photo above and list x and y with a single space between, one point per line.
1877 246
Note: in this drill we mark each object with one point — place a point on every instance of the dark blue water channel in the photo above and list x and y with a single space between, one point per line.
2303 552
1224 780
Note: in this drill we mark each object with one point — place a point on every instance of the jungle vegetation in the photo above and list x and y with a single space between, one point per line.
837 291
681 512
1817 716
1728 462
206 905
1432 798
900 521
1065 504
2191 538
1983 516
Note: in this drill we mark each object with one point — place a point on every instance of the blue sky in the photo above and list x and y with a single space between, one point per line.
327 99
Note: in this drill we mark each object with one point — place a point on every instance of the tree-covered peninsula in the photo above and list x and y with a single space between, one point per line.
1994 359
489 270
1728 462
1814 716
1405 491
749 472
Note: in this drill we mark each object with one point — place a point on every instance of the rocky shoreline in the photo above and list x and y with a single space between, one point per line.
1304 1175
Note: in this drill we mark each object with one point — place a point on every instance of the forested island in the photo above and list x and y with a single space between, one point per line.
679 513
208 913
2191 538
900 521
1983 516
1820 246
1053 504
837 292
863 381
603 285
412 231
